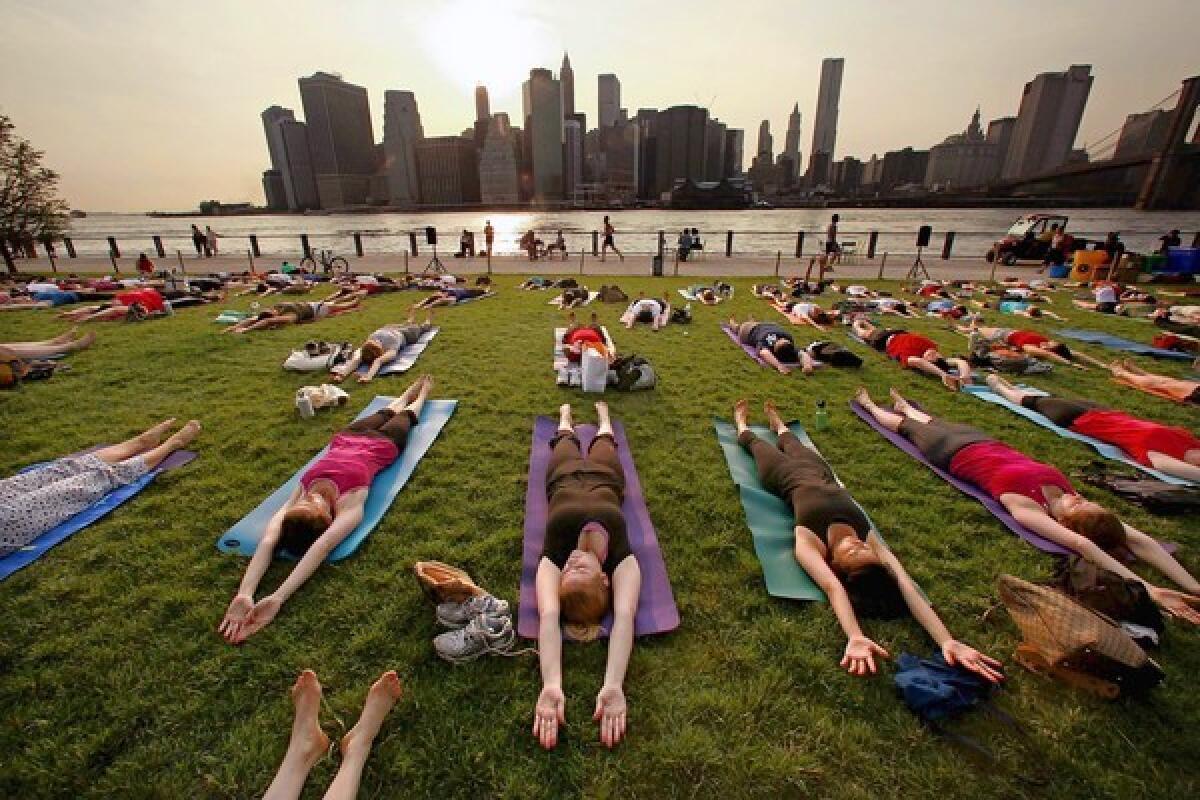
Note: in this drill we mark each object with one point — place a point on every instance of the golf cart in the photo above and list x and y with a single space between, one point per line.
1029 239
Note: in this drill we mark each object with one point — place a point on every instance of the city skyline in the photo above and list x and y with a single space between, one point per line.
126 137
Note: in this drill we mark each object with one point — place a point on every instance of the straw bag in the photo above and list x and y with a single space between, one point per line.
442 583
1074 644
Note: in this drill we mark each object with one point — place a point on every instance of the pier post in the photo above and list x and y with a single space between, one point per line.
882 264
595 243
948 246
67 243
799 244
304 245
254 245
729 244
412 247
113 250
358 244
778 258
50 254
872 240
158 247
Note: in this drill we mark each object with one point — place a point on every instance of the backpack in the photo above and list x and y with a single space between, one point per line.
681 316
612 294
634 373
1158 496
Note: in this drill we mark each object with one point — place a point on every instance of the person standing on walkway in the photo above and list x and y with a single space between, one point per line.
609 231
210 237
489 236
199 240
832 250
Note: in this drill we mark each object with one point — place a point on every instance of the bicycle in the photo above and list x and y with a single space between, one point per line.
329 263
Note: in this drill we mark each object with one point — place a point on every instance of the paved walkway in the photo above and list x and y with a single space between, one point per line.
886 266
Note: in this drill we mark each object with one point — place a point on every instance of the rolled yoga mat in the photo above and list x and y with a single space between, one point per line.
656 612
244 536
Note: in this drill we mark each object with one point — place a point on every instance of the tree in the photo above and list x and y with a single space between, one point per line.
30 208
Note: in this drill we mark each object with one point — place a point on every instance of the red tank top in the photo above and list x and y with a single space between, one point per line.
352 462
579 336
1022 338
999 469
148 299
903 346
1137 437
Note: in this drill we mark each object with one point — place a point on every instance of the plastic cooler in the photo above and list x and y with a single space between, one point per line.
1182 261
1086 262
1059 271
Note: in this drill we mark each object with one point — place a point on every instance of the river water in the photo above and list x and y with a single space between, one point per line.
757 231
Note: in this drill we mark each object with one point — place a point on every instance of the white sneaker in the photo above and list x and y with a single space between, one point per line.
564 377
485 633
304 403
456 615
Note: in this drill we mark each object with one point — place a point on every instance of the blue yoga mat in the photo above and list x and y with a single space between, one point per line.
1103 448
243 537
1119 343
67 528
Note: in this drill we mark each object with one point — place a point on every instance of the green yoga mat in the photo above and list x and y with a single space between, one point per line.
772 525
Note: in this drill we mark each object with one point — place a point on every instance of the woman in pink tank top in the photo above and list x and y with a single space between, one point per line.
324 508
1039 497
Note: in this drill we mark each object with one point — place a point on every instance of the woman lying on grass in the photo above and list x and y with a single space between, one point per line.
1039 497
1174 451
914 351
452 297
58 346
1031 343
586 568
773 344
842 553
283 314
33 502
382 348
324 509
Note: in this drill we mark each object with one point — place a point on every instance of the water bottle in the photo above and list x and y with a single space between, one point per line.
688 307
821 420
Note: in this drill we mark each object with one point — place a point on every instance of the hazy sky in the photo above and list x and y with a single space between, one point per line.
154 104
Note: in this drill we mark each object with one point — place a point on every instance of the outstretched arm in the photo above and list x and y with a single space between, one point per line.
1150 551
243 600
610 702
1050 355
772 361
954 651
859 658
551 708
386 358
342 372
929 368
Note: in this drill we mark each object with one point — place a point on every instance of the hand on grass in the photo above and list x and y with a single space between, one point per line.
784 370
364 378
859 658
1177 604
260 617
610 713
337 377
963 655
235 617
550 712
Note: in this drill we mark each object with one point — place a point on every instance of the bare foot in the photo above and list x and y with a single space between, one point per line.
602 409
154 436
383 695
84 341
952 383
741 412
565 419
994 382
863 397
898 401
308 740
185 435
773 418
66 337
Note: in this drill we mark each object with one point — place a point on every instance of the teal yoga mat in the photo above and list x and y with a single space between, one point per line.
772 525
1103 448
243 537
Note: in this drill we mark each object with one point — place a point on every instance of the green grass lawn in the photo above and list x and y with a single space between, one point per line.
113 682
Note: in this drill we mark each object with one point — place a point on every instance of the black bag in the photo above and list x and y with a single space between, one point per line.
566 283
612 294
634 372
833 354
681 316
1158 496
1108 593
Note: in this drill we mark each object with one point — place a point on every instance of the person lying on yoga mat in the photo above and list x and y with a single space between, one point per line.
33 502
573 297
914 351
586 568
283 314
450 297
1039 497
49 348
648 310
710 295
382 348
773 344
1177 389
324 509
129 304
1175 451
807 313
578 336
1032 343
842 553
309 744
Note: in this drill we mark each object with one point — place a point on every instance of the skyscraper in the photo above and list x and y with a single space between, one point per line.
566 76
1051 108
714 150
498 180
273 184
401 133
340 138
681 144
542 96
482 107
609 89
825 124
572 157
299 178
449 170
766 145
791 145
734 145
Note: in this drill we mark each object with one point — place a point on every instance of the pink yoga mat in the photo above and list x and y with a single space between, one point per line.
656 611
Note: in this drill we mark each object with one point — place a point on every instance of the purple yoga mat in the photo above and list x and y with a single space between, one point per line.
656 611
750 351
991 504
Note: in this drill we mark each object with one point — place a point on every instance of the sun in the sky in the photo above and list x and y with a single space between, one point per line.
493 42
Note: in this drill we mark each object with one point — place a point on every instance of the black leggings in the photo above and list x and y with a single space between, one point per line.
939 441
390 424
1060 411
